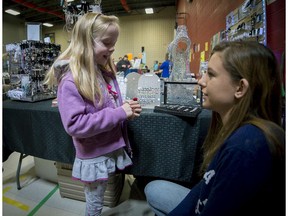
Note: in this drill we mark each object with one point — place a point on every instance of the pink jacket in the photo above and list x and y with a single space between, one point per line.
96 130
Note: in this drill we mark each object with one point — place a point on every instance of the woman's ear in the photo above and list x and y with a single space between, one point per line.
242 88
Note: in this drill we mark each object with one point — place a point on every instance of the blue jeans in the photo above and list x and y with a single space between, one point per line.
163 196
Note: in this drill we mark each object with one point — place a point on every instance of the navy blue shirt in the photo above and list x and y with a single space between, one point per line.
241 180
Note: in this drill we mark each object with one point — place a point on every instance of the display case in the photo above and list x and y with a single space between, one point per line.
182 93
27 64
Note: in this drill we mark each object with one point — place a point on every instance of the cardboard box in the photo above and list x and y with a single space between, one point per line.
74 189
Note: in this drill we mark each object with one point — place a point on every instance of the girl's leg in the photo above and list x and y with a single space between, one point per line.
163 196
94 193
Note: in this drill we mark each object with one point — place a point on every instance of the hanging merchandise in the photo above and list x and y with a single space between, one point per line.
74 10
28 63
248 22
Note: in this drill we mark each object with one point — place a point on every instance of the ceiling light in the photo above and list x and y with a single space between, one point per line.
13 12
48 24
149 10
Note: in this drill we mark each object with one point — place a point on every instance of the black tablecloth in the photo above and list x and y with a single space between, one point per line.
164 146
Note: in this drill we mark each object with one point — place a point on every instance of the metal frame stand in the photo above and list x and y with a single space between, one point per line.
22 156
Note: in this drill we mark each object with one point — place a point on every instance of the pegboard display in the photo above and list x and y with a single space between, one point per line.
247 22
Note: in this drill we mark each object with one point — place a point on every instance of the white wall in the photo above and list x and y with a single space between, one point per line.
154 32
14 30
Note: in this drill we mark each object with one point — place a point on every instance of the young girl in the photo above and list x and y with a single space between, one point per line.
91 107
243 167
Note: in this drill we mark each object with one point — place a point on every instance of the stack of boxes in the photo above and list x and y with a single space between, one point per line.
74 189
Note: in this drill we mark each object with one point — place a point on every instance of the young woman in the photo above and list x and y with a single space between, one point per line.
91 107
243 169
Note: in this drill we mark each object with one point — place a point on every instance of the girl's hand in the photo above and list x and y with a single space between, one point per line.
128 110
136 107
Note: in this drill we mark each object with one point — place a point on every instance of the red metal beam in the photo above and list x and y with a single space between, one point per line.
40 9
125 5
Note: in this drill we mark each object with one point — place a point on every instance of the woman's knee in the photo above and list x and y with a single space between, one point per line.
156 185
152 189
159 192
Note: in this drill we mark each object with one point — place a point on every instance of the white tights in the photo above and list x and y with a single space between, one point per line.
94 193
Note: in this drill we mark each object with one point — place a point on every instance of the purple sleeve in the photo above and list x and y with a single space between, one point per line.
77 121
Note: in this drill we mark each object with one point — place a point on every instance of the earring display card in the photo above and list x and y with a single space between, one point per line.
132 85
149 90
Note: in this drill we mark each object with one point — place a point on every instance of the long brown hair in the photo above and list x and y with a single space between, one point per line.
260 106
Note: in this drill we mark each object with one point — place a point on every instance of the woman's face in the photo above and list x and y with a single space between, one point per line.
105 46
217 87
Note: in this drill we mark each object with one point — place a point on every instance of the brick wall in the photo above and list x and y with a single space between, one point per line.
276 27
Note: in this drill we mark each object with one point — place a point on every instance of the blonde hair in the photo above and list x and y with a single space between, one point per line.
261 106
80 54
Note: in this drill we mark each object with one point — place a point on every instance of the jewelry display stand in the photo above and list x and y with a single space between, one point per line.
27 66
